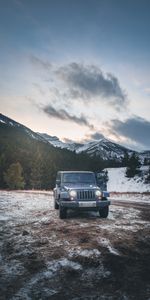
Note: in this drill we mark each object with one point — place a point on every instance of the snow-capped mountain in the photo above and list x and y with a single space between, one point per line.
56 142
103 148
11 123
144 156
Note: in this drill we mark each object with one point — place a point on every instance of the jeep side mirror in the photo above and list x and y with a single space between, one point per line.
57 181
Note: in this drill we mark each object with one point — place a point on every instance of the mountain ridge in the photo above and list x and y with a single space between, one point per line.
103 148
39 160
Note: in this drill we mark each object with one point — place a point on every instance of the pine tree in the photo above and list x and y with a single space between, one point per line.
13 176
133 167
125 159
3 163
147 179
36 171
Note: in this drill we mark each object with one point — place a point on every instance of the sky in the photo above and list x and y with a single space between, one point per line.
77 69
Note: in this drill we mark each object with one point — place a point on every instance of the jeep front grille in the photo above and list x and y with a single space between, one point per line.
85 195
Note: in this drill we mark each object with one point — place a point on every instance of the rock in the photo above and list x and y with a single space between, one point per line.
25 232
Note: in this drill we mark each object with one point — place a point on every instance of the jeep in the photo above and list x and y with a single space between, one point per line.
79 190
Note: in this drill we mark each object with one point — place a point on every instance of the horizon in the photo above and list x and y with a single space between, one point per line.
78 70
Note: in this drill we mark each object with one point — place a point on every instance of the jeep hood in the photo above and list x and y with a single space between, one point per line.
71 186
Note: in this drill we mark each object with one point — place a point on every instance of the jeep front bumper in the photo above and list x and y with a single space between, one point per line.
85 204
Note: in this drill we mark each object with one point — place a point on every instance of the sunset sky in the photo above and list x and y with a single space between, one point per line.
77 69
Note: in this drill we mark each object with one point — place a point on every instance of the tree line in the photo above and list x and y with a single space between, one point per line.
42 172
133 166
31 164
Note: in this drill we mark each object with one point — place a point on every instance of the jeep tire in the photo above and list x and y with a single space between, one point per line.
103 212
56 205
62 212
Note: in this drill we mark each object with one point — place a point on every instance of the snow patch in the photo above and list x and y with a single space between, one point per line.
106 243
85 252
65 263
12 268
11 123
53 267
131 197
2 121
118 182
88 253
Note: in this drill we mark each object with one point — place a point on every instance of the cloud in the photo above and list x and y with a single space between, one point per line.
38 88
40 63
88 81
136 129
84 82
62 114
67 140
96 136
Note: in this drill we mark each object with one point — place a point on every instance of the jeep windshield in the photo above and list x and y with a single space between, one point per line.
88 178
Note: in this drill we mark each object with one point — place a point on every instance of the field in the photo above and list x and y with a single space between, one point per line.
82 257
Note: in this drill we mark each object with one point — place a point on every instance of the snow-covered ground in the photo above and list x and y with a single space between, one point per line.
82 257
118 182
138 198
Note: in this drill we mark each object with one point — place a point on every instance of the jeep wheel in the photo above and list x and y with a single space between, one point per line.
56 206
103 212
62 212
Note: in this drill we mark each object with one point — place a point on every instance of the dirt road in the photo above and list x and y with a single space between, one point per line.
83 257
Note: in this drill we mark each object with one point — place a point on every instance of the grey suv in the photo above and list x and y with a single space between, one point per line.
79 190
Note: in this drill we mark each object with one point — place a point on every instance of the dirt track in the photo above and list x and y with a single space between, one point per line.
83 257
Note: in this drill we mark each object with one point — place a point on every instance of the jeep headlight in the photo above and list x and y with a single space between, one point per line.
73 194
98 193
